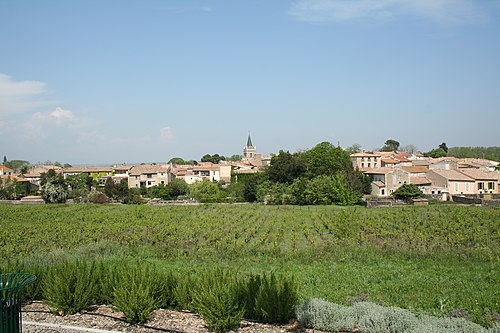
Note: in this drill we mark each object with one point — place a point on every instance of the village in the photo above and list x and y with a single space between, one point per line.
443 178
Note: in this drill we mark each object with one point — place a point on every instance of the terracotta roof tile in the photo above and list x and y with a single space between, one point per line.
137 170
452 175
420 181
479 174
378 171
415 168
365 154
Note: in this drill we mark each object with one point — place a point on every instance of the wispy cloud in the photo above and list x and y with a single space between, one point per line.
58 116
22 96
166 134
42 124
447 12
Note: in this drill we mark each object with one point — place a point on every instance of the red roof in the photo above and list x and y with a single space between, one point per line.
401 158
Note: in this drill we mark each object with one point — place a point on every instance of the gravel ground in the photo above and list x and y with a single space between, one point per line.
37 317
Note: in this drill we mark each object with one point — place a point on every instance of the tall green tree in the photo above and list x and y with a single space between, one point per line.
325 159
181 161
54 187
444 147
4 159
250 190
121 190
285 167
51 176
436 153
215 158
109 188
390 145
179 187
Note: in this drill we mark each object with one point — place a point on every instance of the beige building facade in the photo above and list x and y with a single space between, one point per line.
452 181
363 161
149 175
203 171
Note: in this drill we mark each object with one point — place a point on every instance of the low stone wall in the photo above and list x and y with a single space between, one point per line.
378 203
466 200
158 202
493 202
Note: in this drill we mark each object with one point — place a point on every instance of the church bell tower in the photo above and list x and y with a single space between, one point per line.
249 151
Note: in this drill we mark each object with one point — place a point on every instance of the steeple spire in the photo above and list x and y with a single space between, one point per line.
249 151
249 141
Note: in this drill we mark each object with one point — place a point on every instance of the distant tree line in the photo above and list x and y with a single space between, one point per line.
489 153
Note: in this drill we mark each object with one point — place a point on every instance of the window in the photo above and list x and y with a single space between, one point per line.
456 186
149 182
467 186
491 185
362 165
369 164
162 182
382 191
150 175
480 186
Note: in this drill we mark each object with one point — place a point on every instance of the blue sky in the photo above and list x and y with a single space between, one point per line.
89 81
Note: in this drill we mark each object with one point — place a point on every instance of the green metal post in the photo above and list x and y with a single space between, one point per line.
10 303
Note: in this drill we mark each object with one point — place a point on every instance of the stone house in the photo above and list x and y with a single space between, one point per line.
203 171
149 175
365 160
484 181
387 180
452 181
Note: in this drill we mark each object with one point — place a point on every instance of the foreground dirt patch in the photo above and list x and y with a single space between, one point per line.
103 317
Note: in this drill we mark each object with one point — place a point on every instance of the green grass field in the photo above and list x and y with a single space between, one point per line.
431 260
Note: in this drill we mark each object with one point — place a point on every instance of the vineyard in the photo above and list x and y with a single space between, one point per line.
431 260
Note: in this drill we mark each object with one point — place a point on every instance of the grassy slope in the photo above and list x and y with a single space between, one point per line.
432 259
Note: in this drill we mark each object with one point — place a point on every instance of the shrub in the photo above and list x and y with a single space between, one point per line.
135 300
108 272
216 300
54 193
275 299
372 318
407 192
323 315
97 197
184 292
141 289
70 286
